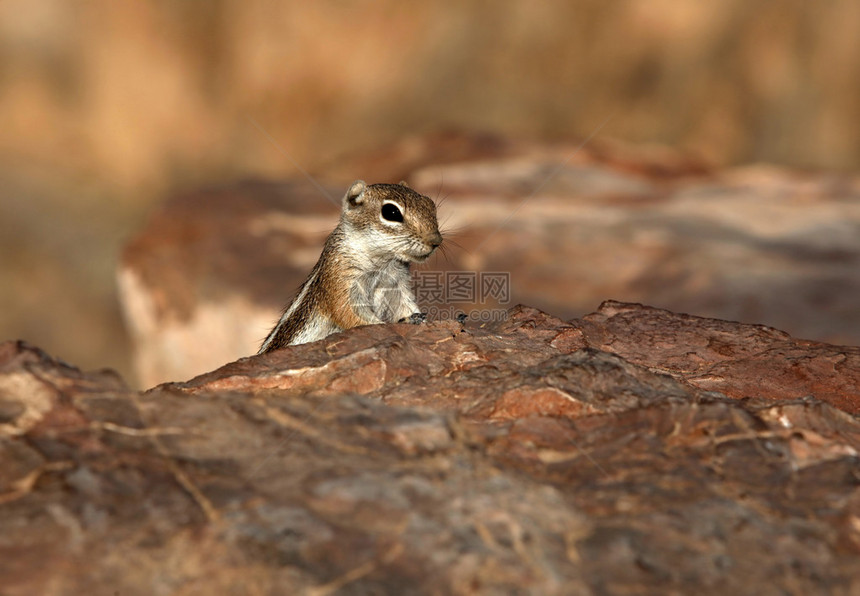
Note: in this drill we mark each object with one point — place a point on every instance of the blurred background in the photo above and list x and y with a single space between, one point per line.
108 107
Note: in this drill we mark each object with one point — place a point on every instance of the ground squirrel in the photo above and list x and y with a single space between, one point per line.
362 276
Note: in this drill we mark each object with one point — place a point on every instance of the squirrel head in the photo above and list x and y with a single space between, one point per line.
391 221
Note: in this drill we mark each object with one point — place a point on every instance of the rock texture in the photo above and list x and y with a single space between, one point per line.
530 455
204 281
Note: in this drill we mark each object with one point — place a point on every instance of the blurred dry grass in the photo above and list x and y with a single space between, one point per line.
105 106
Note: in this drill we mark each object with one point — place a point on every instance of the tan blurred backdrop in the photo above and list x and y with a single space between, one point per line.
107 106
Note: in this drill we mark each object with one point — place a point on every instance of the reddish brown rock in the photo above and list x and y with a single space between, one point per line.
732 358
529 455
203 283
543 361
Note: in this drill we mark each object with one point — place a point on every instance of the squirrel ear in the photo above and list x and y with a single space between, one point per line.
403 183
355 194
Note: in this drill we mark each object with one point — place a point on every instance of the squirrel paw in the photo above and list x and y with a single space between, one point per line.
415 318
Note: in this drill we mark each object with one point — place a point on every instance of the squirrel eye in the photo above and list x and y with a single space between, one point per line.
391 212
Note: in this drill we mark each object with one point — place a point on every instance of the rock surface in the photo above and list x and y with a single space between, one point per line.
203 283
529 455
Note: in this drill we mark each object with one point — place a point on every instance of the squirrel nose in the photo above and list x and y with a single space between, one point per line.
435 241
